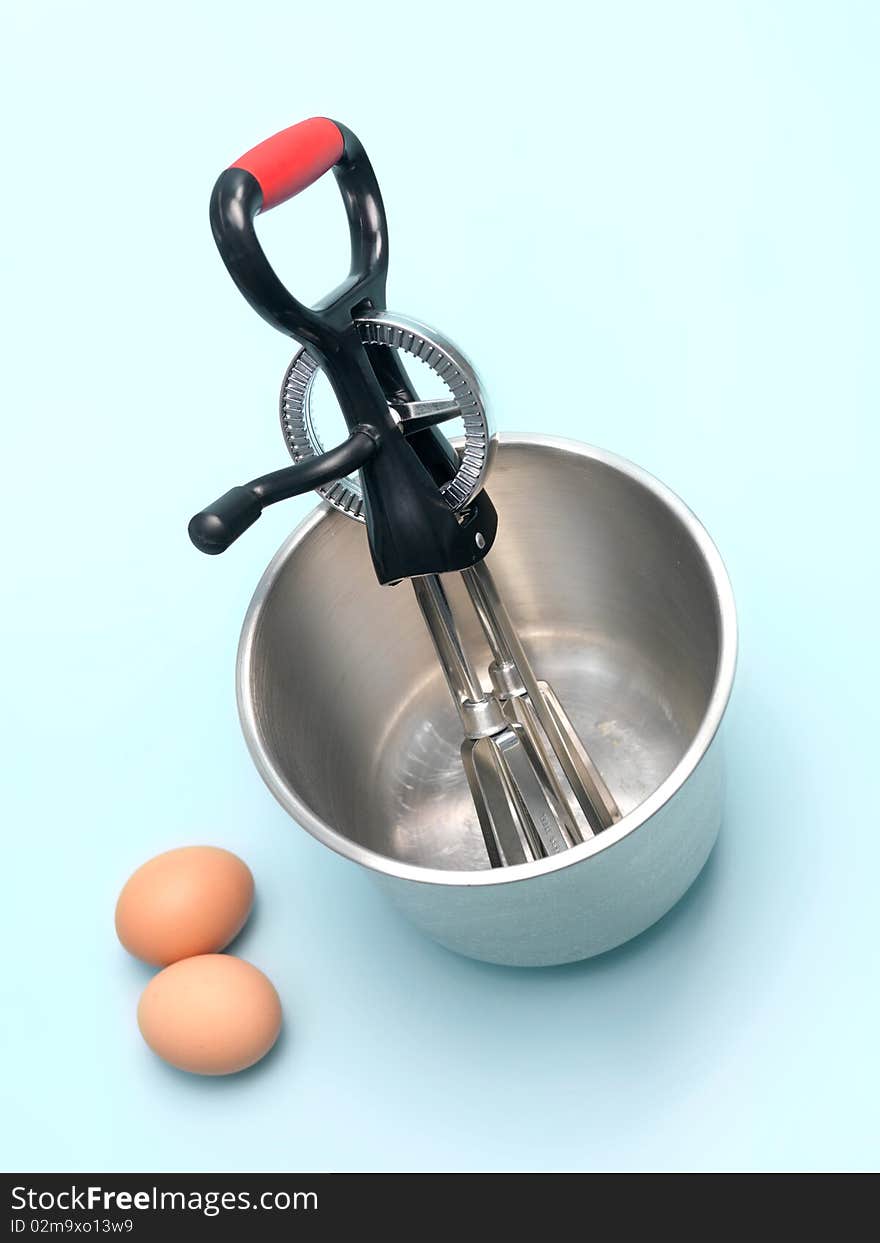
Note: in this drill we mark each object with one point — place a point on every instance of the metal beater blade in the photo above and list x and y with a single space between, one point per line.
534 706
520 815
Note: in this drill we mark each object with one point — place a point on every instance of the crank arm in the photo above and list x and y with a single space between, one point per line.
218 526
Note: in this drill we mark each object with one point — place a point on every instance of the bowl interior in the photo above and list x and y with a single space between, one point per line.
615 602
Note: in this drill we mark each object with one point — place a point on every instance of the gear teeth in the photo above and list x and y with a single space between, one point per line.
387 331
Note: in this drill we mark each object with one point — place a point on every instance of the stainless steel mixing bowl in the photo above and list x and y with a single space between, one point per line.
623 604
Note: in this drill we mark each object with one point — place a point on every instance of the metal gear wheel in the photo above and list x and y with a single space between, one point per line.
441 356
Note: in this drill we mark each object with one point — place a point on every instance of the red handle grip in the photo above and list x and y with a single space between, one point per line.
292 159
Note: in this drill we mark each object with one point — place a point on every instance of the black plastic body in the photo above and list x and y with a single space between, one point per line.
411 528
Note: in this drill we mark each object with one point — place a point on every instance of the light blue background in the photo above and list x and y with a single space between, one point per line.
669 210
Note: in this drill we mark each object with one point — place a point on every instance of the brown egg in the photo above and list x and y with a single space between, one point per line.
188 901
211 1015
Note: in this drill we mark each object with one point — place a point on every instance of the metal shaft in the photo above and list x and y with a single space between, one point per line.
512 676
516 803
481 714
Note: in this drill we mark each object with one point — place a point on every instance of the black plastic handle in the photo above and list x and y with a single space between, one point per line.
411 528
220 524
237 199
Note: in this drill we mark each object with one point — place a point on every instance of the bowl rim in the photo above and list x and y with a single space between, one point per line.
630 823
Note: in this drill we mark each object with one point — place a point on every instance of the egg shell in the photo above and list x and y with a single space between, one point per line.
193 900
211 1015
